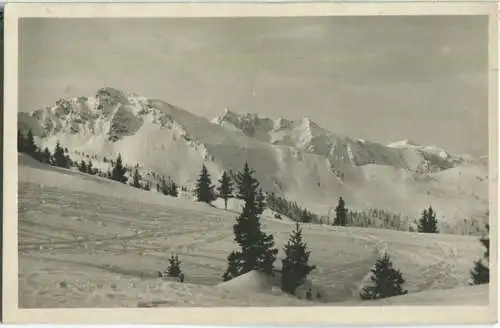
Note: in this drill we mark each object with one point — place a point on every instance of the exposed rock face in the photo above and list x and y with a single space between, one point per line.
124 123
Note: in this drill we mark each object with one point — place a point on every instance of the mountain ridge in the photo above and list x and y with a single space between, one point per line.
297 159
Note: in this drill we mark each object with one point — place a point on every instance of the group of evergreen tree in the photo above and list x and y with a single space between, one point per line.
377 218
257 249
26 144
480 273
428 222
381 218
61 159
290 209
167 188
87 167
244 181
174 269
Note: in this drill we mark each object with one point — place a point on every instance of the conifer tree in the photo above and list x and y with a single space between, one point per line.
306 216
225 189
82 167
164 187
59 156
136 183
31 147
47 156
234 267
69 162
204 189
295 267
386 281
245 182
118 172
428 221
257 249
480 274
90 168
340 213
174 267
247 187
173 189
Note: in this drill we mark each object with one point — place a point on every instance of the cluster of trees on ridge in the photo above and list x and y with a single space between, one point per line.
118 172
257 250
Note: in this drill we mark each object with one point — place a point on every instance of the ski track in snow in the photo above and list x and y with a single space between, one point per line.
90 242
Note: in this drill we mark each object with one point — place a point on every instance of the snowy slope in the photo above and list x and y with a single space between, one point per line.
88 241
296 159
470 295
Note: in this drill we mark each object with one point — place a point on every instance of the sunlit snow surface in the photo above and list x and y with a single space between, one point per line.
85 241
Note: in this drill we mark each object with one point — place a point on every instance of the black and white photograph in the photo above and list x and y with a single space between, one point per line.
341 161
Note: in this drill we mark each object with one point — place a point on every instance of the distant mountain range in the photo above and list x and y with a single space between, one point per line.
296 159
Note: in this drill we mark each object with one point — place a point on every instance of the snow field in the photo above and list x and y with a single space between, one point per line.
88 241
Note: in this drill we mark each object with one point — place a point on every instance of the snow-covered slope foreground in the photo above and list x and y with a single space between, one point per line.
296 159
89 241
470 295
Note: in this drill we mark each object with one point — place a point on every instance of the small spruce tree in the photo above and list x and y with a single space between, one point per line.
204 189
82 167
173 189
136 183
60 158
164 188
480 274
69 162
428 221
30 146
340 213
90 168
118 172
174 267
295 265
387 281
306 216
47 156
225 189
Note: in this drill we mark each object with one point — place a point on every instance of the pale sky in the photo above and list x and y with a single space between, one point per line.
383 79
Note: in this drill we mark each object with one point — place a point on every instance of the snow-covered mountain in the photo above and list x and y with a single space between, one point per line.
297 159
